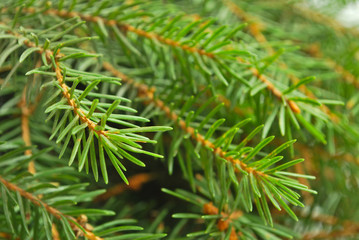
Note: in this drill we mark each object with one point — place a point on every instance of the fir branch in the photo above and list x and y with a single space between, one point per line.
76 109
347 76
175 56
53 211
167 41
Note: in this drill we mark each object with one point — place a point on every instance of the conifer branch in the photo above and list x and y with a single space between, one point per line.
254 25
53 211
237 176
76 109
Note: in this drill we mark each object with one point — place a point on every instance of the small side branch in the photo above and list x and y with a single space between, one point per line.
51 210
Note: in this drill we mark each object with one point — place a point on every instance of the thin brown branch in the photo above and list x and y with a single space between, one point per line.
25 129
51 210
26 111
148 92
55 233
125 27
293 106
76 109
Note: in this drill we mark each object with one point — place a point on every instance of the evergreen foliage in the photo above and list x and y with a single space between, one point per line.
189 119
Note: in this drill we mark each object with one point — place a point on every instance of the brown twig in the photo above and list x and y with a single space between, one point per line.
51 210
55 233
25 113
